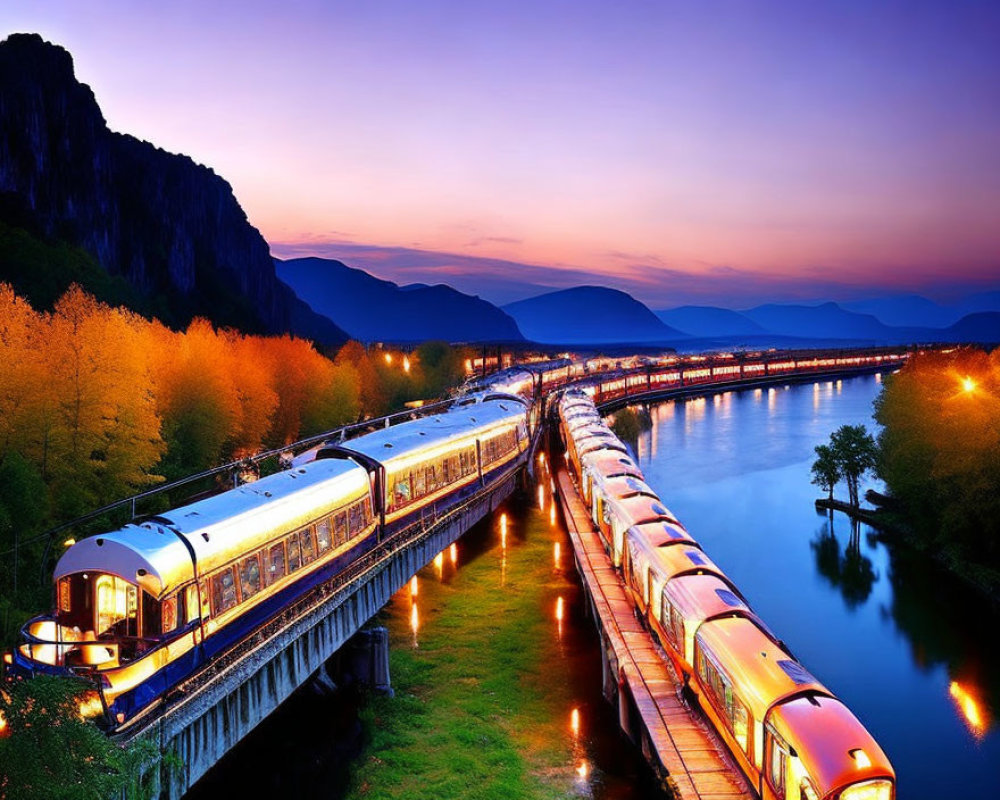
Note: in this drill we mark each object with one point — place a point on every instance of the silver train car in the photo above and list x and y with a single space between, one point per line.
140 609
789 734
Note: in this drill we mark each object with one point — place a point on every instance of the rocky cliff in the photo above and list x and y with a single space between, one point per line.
171 227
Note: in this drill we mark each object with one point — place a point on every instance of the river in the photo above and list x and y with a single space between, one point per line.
909 649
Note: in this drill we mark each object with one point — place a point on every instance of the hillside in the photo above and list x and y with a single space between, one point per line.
370 309
171 228
982 327
709 321
588 315
827 320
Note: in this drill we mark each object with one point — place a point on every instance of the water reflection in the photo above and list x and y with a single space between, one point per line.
947 623
556 555
971 708
848 570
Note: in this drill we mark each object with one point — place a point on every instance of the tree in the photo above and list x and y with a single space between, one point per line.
825 469
49 752
855 453
939 450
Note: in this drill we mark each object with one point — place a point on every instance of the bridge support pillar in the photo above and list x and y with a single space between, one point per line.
364 660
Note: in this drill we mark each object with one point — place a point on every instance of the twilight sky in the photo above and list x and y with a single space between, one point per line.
725 152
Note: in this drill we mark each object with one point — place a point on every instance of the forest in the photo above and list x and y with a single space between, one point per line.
98 402
939 455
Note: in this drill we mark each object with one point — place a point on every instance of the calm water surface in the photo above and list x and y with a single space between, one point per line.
907 647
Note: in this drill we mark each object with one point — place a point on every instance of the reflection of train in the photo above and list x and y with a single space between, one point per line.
139 609
792 738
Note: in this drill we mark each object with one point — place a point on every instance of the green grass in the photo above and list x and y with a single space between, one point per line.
481 707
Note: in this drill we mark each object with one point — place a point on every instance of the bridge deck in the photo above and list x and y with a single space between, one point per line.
698 766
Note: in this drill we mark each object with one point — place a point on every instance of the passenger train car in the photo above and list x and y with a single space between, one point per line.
789 734
139 609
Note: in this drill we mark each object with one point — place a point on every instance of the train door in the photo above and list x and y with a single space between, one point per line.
774 778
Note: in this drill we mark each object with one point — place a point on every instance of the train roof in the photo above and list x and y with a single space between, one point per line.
627 486
421 438
826 736
683 557
638 509
609 443
609 463
762 673
660 534
218 528
699 597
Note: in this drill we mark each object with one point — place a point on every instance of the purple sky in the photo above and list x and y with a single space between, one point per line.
721 152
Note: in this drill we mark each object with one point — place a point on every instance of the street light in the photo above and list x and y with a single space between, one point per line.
968 385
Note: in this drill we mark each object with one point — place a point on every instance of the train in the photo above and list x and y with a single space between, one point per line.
139 610
789 734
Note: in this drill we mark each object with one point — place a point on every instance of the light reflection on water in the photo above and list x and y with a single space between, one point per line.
910 650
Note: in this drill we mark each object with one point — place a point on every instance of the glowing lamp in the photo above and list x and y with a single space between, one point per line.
69 542
388 358
968 384
8 658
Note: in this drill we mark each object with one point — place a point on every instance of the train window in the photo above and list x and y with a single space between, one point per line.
152 618
420 487
250 576
274 563
191 603
64 594
366 510
401 492
168 614
776 763
223 590
340 528
294 554
807 791
446 473
667 613
307 546
116 606
355 519
323 535
677 623
431 478
741 725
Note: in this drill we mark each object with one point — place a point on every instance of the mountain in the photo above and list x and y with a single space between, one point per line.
827 320
371 309
906 310
588 315
709 321
980 301
982 327
170 227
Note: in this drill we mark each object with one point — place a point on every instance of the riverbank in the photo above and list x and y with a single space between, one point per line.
892 531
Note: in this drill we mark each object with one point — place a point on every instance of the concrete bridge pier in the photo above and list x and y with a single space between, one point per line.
363 660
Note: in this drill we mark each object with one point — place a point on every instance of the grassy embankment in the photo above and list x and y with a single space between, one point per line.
484 691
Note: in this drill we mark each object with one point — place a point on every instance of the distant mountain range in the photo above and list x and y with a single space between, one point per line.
830 321
588 315
100 200
370 309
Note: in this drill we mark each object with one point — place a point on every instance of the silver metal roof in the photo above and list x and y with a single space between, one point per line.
218 528
411 442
